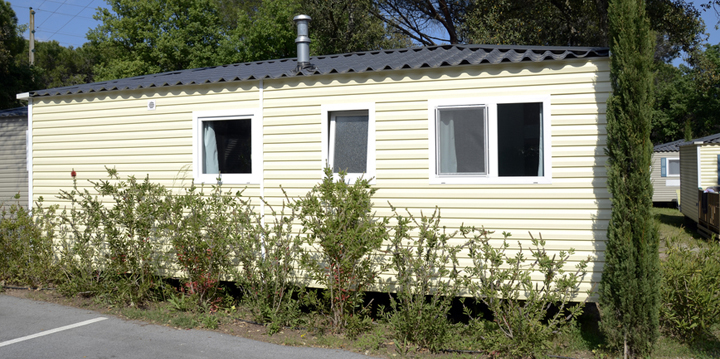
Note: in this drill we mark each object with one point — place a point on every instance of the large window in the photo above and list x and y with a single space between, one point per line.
493 141
227 145
349 139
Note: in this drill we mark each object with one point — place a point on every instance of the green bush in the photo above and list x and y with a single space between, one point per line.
114 250
426 281
344 236
690 289
272 289
520 327
26 245
202 230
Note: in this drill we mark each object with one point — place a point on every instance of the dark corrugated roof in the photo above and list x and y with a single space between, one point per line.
14 112
707 139
369 61
673 146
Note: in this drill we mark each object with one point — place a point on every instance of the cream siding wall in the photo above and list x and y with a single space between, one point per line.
689 182
661 191
709 165
89 132
573 211
13 157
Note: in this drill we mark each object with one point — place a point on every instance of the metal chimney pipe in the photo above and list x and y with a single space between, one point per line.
302 40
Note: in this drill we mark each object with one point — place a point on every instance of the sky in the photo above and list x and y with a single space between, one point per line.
68 21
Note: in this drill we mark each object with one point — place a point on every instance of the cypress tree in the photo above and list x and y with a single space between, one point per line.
629 289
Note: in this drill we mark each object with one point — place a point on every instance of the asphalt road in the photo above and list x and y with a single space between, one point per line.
30 329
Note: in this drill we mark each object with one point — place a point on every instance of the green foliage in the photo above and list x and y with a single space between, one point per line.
113 250
343 236
143 37
426 281
690 290
263 33
26 245
521 326
272 289
202 230
57 66
15 77
340 26
687 97
629 289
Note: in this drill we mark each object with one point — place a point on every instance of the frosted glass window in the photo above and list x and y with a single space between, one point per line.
461 140
227 146
673 168
348 141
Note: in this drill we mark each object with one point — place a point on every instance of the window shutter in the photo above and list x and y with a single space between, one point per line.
663 167
718 169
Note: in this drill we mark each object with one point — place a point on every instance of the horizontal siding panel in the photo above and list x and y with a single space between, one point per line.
575 120
115 144
106 129
577 130
116 159
137 135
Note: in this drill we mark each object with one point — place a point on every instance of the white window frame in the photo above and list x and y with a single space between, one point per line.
257 145
667 164
491 177
326 112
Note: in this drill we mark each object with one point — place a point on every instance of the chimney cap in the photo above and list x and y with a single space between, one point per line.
302 17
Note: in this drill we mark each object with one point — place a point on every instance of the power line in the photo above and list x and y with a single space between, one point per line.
71 19
49 16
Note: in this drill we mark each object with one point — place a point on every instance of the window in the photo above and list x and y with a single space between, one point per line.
669 167
227 144
349 139
500 141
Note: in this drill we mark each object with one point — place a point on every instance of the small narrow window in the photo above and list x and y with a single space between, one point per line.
673 167
461 141
520 147
348 143
227 147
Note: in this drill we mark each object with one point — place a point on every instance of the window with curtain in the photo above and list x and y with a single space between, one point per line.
461 140
520 147
227 146
500 141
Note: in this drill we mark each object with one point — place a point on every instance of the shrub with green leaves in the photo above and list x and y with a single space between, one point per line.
690 289
426 281
114 250
344 236
271 287
202 230
26 244
521 326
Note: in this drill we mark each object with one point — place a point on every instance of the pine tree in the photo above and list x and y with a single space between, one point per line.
629 289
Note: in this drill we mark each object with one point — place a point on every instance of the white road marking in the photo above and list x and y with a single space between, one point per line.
51 331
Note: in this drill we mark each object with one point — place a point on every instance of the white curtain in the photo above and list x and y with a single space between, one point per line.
210 152
446 142
541 168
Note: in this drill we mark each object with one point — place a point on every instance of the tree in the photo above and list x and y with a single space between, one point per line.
629 288
57 66
141 37
266 30
534 22
341 26
14 77
687 98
